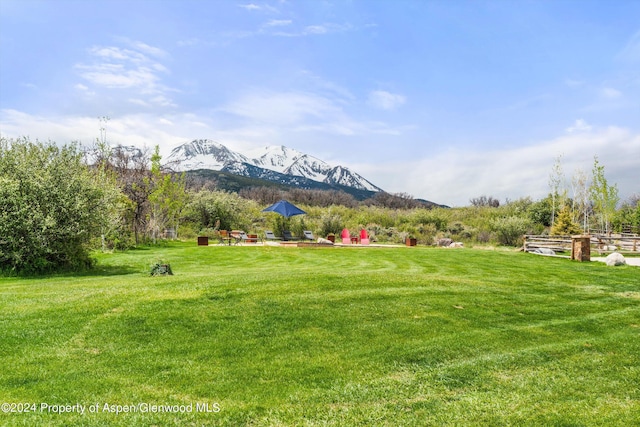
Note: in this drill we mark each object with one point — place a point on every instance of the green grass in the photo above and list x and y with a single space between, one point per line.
329 336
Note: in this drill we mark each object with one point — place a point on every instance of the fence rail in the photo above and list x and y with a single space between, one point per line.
600 243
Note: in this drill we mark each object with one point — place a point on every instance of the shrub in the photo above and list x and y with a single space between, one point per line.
423 216
564 224
510 230
52 205
206 208
330 223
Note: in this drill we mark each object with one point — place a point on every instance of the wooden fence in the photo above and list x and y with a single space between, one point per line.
600 243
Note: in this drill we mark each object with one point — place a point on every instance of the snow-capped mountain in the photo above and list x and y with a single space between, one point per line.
277 158
206 154
309 167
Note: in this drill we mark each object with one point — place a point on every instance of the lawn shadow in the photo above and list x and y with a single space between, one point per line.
106 270
98 271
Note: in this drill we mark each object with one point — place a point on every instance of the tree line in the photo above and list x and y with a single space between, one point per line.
57 204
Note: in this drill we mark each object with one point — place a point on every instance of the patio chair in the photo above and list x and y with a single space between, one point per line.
364 238
268 235
223 237
308 235
287 236
346 237
245 238
236 236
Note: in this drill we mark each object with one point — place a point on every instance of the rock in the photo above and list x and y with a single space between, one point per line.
615 259
543 251
456 245
324 241
444 242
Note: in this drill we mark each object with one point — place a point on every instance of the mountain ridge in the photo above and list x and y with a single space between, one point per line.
207 154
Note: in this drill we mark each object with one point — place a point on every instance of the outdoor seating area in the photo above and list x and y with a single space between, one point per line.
228 238
348 239
240 237
287 238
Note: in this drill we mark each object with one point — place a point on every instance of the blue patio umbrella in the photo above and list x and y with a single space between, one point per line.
285 209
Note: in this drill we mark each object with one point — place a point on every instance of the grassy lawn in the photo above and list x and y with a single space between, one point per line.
324 336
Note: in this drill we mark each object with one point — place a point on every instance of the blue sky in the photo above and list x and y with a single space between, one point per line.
444 100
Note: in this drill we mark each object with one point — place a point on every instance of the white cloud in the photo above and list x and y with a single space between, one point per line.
142 130
455 176
574 82
313 30
149 50
386 100
302 113
116 76
281 108
278 23
451 177
579 126
610 93
250 6
326 28
133 70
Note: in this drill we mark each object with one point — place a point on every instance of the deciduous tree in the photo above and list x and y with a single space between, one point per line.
603 196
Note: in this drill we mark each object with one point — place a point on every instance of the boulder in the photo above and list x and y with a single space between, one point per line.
543 251
324 241
445 242
456 245
615 259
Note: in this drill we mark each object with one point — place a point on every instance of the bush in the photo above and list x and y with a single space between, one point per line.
433 217
331 224
541 212
510 230
52 205
228 210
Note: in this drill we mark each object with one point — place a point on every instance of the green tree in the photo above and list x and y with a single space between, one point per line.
51 203
603 196
564 224
167 198
207 208
540 212
627 218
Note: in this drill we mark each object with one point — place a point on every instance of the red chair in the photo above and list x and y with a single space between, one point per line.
364 238
346 237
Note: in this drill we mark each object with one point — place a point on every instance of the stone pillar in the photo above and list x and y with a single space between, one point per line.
581 248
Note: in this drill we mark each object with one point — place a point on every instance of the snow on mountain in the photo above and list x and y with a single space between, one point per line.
309 167
343 176
277 158
206 154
